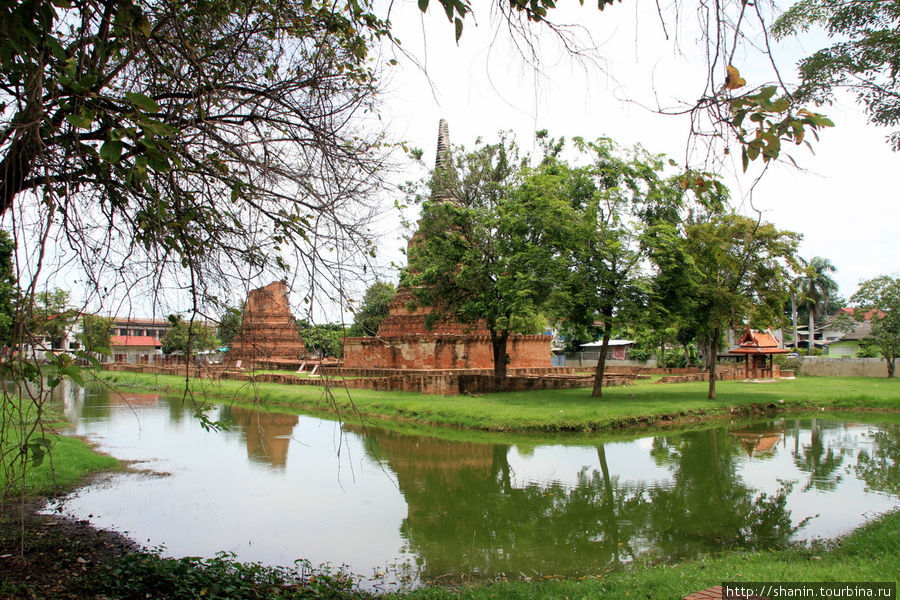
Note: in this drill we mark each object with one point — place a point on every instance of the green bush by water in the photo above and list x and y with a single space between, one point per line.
147 575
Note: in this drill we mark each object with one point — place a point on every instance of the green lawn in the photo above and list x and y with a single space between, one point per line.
550 410
38 472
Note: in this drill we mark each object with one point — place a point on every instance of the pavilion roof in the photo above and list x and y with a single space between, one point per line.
758 342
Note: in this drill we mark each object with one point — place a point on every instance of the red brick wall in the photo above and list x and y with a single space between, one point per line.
442 352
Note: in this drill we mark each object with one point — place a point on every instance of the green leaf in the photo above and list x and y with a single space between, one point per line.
157 162
80 121
143 102
423 5
459 28
781 105
766 93
111 151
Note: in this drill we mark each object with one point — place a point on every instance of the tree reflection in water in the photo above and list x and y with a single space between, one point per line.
465 515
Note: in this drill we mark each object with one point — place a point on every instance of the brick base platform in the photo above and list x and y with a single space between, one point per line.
715 593
441 382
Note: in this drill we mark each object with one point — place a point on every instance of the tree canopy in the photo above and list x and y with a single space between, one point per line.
736 271
197 137
864 57
373 309
96 333
878 301
188 337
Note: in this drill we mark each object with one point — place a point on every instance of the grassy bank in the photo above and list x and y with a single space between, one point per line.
548 410
872 553
53 463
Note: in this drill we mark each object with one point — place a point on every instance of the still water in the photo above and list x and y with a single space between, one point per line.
275 488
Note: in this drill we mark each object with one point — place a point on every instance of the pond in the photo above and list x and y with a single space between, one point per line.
404 508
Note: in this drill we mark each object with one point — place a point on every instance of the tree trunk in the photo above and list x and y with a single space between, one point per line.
661 358
812 330
597 392
891 363
794 321
18 163
498 345
712 346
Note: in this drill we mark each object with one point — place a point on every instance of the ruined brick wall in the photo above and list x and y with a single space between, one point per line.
442 352
268 330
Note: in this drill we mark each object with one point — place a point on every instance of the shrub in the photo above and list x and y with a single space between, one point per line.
147 575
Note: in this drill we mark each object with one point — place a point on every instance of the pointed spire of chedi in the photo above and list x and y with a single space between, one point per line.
443 175
442 158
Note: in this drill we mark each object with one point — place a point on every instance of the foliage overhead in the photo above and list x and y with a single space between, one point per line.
199 134
864 57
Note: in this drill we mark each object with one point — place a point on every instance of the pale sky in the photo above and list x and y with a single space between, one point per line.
843 203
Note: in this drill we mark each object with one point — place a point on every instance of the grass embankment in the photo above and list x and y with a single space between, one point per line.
871 553
51 463
548 410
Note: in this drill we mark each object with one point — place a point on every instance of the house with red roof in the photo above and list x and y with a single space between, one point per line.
136 340
135 348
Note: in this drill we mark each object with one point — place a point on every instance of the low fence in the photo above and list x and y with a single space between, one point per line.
843 367
589 359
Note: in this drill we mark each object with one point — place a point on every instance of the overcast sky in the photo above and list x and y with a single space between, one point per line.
843 203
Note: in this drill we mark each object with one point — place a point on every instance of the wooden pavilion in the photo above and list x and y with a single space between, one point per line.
758 349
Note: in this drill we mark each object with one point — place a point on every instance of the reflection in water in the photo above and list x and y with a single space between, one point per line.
268 434
370 497
466 516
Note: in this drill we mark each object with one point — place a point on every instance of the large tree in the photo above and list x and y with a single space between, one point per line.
604 275
736 272
486 245
96 333
202 137
878 301
229 325
50 316
188 337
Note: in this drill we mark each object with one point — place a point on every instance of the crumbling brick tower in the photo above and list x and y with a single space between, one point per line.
269 334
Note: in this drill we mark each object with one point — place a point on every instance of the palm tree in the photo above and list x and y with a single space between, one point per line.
815 286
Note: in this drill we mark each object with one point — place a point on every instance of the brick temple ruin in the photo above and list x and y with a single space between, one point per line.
403 340
269 336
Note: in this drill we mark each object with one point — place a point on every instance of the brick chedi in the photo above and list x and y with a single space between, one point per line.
404 341
269 334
